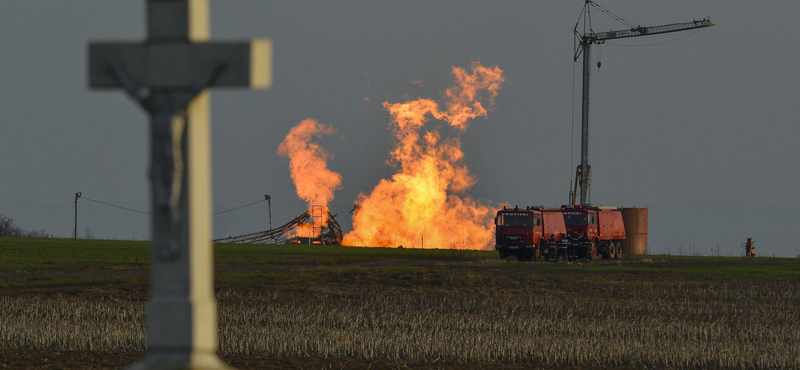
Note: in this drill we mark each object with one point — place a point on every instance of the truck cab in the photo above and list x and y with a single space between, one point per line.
525 233
602 226
581 221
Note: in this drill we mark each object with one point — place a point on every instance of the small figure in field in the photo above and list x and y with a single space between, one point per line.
563 247
551 248
571 248
586 246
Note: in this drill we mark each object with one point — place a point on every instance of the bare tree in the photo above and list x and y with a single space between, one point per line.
8 229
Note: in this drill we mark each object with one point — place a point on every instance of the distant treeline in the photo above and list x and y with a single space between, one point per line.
8 229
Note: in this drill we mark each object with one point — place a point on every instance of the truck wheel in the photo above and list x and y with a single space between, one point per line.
619 251
592 252
612 251
606 254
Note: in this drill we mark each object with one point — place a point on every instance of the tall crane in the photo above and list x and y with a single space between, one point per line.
583 44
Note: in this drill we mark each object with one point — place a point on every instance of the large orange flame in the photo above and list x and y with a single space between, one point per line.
308 165
421 201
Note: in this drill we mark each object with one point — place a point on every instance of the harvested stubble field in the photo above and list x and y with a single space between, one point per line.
68 304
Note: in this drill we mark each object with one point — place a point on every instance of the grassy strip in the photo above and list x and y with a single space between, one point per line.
732 269
330 255
24 254
69 281
718 267
19 254
37 256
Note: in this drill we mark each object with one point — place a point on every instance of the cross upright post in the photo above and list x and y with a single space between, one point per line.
169 75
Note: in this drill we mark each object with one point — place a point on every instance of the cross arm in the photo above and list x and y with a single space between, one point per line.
180 66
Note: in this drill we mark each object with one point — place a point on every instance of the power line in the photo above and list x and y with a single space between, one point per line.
148 213
115 206
246 205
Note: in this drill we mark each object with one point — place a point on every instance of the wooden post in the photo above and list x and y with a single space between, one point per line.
750 250
269 208
77 195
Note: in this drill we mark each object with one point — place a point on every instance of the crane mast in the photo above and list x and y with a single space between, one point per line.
583 43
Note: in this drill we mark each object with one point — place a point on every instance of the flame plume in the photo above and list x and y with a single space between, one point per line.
425 197
315 183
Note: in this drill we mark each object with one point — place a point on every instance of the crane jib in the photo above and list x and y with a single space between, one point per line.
600 37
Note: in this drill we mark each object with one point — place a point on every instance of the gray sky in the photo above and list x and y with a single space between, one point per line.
701 130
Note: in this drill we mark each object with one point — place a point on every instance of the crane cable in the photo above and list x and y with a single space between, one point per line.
589 18
629 24
612 15
599 57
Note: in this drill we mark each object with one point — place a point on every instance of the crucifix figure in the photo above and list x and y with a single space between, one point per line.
169 75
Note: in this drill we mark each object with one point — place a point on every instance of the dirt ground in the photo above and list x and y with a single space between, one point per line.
92 282
139 291
50 360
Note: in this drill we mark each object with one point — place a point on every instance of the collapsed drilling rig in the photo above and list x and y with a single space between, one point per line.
307 228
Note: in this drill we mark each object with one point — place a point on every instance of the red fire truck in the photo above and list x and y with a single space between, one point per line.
601 227
524 233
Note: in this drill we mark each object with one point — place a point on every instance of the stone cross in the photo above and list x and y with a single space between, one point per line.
168 75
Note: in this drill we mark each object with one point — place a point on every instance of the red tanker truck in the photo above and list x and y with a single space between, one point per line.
525 233
594 230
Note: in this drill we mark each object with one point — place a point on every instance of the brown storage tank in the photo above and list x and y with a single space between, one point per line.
635 220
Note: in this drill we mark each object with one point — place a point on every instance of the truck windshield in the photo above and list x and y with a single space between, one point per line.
575 219
515 221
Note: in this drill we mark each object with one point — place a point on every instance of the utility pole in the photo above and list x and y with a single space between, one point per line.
75 233
269 206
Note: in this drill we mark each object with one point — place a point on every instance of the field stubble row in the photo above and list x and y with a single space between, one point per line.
593 319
